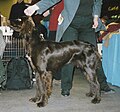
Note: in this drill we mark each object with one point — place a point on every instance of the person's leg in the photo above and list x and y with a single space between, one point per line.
66 79
102 78
67 70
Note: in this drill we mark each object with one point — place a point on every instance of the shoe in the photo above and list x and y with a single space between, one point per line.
65 92
109 91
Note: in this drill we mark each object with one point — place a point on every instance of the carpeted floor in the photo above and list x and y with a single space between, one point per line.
18 101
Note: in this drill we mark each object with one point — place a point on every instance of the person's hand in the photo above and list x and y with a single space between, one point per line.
45 14
31 10
95 22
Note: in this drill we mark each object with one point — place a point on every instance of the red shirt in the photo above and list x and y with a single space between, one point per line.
53 23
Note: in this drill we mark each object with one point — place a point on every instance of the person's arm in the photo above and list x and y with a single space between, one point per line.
97 7
96 12
40 7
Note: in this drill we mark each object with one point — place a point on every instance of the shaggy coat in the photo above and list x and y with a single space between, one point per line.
46 57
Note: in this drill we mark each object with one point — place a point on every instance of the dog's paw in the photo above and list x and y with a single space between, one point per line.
41 104
96 100
49 94
33 99
89 94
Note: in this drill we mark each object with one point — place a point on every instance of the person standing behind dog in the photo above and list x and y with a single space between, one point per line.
17 11
76 23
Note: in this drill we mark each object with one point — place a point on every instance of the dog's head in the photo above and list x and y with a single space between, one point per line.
26 28
24 24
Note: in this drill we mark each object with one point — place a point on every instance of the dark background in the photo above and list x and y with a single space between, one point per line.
111 9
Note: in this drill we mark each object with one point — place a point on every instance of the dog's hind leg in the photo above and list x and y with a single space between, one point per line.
46 90
34 99
94 89
97 94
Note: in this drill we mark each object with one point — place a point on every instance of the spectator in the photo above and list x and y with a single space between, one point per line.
17 10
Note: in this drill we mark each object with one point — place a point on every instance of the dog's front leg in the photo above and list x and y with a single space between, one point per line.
41 98
48 83
37 96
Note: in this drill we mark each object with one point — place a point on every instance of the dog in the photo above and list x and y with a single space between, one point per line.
46 57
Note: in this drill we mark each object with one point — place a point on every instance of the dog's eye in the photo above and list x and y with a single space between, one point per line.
19 19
